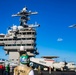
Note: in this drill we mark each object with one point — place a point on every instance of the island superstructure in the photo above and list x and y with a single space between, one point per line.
23 35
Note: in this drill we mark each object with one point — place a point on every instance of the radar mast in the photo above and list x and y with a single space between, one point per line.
24 16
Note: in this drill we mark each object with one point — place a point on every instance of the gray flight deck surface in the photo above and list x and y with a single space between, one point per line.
53 73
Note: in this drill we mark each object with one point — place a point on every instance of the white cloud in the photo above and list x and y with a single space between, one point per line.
59 39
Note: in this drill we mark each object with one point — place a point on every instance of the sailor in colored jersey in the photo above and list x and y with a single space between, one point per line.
23 69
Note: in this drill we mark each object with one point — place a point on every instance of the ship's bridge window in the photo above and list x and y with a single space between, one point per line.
12 59
9 45
33 32
24 33
28 33
28 38
20 33
17 59
1 36
1 39
14 44
18 45
9 39
5 39
28 44
17 39
33 39
23 38
23 44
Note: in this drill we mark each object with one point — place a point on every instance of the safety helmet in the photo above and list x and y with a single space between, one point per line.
24 59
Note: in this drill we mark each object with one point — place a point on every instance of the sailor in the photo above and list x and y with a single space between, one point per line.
7 69
23 69
39 69
50 69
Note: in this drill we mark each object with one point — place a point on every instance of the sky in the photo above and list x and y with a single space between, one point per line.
54 37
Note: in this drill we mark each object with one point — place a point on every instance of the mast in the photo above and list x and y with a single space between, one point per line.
24 16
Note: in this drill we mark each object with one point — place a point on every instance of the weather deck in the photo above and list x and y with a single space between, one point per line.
53 73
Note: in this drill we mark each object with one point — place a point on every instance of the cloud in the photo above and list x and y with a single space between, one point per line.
59 39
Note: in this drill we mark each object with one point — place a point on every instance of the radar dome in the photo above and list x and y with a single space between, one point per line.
14 28
22 48
25 9
9 31
20 27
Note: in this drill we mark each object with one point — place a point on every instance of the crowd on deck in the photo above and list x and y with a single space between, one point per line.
5 69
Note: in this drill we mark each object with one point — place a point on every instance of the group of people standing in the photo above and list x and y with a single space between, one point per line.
4 69
22 69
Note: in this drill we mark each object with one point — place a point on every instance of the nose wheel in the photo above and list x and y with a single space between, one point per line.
62 69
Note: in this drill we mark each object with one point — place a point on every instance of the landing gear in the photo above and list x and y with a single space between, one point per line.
75 70
54 69
62 69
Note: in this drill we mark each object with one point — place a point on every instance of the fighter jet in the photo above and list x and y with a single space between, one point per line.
72 26
71 66
59 66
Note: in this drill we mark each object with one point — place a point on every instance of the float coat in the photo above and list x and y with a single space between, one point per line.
22 70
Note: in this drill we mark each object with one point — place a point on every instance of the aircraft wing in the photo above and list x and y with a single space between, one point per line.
49 57
72 26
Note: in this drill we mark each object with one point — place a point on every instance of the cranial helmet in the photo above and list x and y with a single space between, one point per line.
24 59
